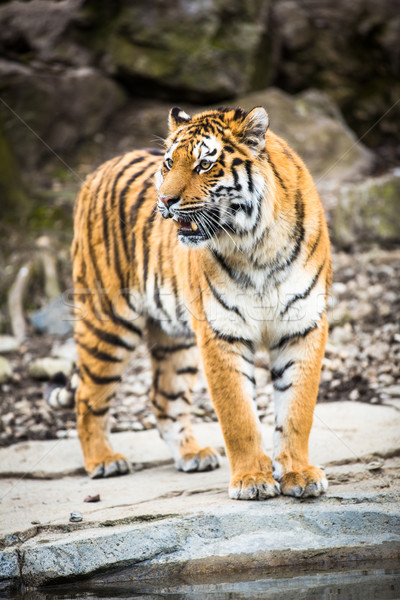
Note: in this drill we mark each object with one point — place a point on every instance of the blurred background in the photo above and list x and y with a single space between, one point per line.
84 80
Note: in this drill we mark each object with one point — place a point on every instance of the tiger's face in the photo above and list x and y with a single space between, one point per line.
210 183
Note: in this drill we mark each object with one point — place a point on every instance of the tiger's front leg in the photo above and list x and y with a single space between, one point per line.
296 369
229 369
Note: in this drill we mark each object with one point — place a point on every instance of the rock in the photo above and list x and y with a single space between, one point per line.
8 343
327 146
82 95
55 318
14 200
5 370
368 211
337 47
198 51
46 368
66 350
393 390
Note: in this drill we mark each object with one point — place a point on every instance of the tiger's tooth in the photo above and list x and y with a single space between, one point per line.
176 223
194 226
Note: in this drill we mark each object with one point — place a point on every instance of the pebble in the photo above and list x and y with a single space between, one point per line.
6 370
392 390
378 350
354 395
75 517
46 368
8 343
136 426
67 350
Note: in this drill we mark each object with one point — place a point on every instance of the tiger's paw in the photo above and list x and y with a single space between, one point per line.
302 484
253 486
206 459
110 466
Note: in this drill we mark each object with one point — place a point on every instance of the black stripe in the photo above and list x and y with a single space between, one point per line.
99 354
98 379
306 292
135 210
279 428
171 396
277 373
277 175
231 339
297 237
100 412
240 278
315 244
282 388
221 300
109 338
287 338
248 166
187 370
122 198
146 232
249 377
160 352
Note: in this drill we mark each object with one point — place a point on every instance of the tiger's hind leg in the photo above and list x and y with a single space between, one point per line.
103 349
174 364
296 369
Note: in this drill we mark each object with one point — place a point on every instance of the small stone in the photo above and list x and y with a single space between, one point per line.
136 426
95 498
354 395
392 390
61 434
5 370
35 522
46 368
55 318
67 350
375 465
8 343
378 350
75 517
199 412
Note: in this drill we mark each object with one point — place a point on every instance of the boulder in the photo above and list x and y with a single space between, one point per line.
368 211
313 126
197 51
348 49
48 110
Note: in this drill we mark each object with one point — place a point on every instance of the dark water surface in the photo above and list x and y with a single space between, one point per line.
377 581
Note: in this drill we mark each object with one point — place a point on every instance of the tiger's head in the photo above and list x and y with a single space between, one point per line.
210 182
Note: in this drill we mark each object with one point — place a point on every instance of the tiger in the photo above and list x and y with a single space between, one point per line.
209 249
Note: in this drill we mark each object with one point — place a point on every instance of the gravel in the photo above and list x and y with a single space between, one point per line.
362 360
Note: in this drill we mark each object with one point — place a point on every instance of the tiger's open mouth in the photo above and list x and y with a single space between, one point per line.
186 227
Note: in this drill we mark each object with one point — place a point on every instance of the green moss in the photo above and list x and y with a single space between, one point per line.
14 202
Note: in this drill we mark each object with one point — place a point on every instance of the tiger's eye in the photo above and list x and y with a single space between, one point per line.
168 163
205 164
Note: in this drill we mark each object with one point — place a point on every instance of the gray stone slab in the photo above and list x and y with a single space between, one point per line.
251 535
158 518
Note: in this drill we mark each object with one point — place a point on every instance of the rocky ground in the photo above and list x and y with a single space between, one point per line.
362 361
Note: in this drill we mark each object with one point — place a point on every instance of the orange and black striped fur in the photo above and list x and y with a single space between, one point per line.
216 247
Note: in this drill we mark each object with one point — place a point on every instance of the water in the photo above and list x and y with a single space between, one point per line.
380 581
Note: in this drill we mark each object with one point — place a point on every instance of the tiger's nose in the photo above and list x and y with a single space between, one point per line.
169 200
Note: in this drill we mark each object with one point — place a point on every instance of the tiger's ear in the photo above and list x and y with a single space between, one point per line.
177 117
253 128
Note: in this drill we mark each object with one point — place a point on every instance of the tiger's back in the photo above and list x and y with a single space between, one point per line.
235 258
